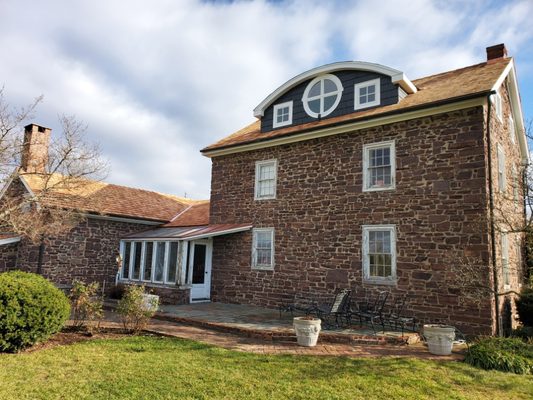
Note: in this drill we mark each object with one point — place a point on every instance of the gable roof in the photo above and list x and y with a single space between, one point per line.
466 83
194 215
106 198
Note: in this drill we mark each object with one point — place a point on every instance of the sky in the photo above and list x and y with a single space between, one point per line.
156 81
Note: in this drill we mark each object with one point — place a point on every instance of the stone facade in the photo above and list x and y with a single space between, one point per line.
8 257
439 208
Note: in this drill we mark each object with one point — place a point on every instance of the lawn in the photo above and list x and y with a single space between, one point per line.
167 368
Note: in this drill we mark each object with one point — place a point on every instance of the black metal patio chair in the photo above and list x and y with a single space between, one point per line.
332 313
300 304
395 316
373 312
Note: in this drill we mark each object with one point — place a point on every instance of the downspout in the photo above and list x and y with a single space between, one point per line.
492 227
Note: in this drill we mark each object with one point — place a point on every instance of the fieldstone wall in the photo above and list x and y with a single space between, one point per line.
439 208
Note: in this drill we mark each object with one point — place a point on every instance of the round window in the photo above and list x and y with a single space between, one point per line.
322 95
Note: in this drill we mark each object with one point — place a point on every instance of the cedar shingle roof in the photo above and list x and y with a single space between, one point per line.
106 198
194 215
448 86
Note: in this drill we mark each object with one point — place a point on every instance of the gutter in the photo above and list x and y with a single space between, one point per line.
495 279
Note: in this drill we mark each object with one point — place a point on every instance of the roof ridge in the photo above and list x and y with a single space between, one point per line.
460 69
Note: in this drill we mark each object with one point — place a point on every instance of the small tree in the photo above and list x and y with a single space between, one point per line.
136 309
86 306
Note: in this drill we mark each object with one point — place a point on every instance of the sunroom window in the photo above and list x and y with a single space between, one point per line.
149 261
282 114
367 94
322 95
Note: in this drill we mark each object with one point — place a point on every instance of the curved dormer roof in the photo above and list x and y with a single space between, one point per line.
397 77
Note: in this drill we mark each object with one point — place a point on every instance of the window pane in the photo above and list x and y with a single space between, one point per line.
371 89
315 90
370 98
329 102
172 262
314 106
329 86
148 253
126 260
159 262
136 268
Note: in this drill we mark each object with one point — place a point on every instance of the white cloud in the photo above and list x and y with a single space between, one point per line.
156 81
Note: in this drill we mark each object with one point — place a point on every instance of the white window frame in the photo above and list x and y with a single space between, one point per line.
167 262
268 267
497 100
143 278
257 192
338 92
366 162
506 276
277 107
155 258
376 82
389 280
502 179
512 132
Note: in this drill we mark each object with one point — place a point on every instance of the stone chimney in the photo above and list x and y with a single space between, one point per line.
35 149
496 52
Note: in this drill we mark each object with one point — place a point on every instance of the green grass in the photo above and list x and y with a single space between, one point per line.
165 368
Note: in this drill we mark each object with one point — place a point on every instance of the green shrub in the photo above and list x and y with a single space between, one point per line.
524 306
134 308
31 310
86 305
503 354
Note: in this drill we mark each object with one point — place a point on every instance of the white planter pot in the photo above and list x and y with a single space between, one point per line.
150 302
306 330
439 338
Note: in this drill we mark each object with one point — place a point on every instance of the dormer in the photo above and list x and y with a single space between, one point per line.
331 91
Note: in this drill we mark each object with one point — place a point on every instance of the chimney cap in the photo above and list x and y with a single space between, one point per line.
40 128
496 52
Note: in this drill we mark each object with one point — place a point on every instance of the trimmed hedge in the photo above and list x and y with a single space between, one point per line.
503 354
31 310
524 306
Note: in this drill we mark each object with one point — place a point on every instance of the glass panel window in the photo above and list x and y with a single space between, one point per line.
172 262
263 248
159 261
379 253
367 94
505 259
136 267
282 114
265 179
501 169
378 166
322 95
126 260
147 262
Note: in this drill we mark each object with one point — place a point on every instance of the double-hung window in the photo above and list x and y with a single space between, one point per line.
379 166
265 179
379 253
367 94
282 114
501 169
505 259
263 248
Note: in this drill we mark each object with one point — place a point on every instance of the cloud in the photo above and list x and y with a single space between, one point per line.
157 81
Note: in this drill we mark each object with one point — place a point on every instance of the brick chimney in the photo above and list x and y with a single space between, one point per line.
496 52
35 149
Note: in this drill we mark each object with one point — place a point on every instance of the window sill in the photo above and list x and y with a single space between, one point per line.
265 198
379 189
150 284
259 268
377 281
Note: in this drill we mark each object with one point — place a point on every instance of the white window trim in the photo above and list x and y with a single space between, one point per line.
305 97
390 280
376 102
366 178
154 257
506 273
143 278
502 181
275 123
512 130
254 254
497 100
258 165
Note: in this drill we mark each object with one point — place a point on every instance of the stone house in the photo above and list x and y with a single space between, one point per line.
354 176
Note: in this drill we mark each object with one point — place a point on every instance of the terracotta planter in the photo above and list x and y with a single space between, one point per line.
307 330
439 339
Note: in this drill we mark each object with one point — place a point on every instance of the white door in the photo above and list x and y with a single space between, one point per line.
200 269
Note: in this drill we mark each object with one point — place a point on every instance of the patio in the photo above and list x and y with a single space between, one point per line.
265 323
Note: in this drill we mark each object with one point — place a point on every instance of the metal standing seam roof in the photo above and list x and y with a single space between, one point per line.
188 233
